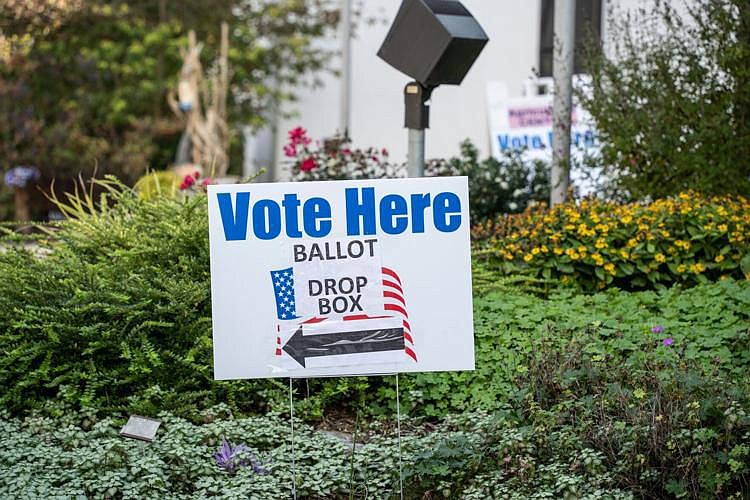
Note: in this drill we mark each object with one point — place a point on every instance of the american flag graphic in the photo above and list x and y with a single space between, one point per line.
394 303
283 291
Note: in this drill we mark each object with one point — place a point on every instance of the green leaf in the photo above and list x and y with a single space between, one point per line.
599 272
745 264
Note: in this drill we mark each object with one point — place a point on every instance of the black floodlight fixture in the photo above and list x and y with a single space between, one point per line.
433 41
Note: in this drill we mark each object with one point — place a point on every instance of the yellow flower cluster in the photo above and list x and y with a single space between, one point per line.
686 238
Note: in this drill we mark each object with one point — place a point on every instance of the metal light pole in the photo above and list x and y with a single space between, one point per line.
562 73
415 156
345 26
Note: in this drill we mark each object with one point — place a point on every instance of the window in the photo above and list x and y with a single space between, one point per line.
588 27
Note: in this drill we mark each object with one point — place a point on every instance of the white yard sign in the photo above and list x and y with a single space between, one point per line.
340 278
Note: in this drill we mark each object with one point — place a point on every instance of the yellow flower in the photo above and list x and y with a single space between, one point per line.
684 196
610 268
569 227
582 250
544 249
681 268
624 254
535 251
627 219
697 268
660 258
557 251
659 418
600 243
528 257
723 228
665 234
682 244
719 258
639 393
573 215
632 242
598 259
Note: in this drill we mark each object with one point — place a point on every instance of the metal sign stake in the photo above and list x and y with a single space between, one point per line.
398 427
291 421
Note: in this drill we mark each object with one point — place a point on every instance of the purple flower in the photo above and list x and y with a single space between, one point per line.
657 329
232 457
20 177
667 341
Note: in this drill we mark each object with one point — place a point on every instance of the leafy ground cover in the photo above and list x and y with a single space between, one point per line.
73 456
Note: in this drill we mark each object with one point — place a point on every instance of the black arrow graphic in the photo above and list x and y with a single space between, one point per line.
301 346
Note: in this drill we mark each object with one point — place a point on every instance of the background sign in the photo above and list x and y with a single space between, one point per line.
341 278
525 124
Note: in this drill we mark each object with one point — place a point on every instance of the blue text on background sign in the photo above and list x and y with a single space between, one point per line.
393 213
584 140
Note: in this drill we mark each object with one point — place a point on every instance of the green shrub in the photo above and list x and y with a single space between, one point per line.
507 186
688 239
671 99
496 187
116 313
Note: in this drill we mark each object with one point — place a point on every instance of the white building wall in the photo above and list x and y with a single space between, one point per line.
457 112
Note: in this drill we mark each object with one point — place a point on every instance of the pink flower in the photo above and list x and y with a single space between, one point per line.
308 164
384 152
290 151
657 329
297 133
206 181
298 136
196 174
667 341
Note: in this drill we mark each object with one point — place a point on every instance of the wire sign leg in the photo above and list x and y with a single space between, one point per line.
291 420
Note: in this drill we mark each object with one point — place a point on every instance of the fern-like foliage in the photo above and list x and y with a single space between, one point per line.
112 310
